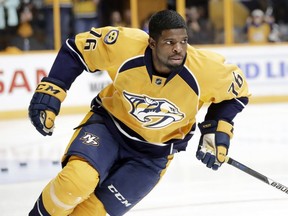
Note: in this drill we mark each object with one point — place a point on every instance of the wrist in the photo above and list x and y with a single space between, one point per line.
52 87
55 81
212 126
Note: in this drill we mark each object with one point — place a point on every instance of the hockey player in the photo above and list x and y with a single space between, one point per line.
125 143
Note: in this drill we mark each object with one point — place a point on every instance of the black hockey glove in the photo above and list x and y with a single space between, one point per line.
45 104
214 142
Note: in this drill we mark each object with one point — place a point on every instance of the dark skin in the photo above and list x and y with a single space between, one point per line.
169 50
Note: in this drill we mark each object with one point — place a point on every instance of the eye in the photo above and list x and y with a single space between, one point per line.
169 42
184 41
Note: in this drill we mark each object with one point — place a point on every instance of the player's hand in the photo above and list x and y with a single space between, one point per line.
214 142
45 104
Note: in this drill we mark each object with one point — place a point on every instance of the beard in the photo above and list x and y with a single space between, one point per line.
166 62
175 67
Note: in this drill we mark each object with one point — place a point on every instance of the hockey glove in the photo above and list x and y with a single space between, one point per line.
45 104
214 142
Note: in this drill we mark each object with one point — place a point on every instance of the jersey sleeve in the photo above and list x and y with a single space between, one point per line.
98 49
221 80
226 110
225 87
108 47
92 48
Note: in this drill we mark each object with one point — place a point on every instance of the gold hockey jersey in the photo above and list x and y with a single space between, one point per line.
158 109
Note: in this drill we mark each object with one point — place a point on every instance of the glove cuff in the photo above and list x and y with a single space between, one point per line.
54 81
211 126
225 127
53 87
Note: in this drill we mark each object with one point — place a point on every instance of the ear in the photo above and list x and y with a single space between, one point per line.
152 43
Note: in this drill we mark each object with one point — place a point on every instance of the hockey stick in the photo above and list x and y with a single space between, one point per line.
256 174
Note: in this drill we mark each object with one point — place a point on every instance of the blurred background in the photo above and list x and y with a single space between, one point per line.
45 24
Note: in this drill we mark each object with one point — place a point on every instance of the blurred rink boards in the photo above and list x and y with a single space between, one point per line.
28 161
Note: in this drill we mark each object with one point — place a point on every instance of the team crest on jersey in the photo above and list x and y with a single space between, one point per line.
111 37
90 139
153 112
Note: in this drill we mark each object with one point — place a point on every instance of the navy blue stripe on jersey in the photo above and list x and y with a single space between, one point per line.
68 59
186 75
132 63
39 208
226 110
95 34
148 62
71 44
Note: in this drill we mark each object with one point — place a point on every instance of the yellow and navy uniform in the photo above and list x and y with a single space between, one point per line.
144 106
137 122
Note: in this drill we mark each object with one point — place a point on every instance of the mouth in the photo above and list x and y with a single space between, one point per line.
176 59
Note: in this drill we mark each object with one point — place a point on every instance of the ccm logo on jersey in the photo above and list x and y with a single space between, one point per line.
153 112
111 37
90 139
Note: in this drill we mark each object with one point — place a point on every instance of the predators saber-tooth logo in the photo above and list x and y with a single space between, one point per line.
153 112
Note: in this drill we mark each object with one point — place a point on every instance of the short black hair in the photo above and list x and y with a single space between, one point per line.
164 20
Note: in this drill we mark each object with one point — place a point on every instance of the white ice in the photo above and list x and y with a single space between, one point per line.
188 188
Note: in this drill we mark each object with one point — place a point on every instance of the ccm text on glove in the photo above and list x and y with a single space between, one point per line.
45 104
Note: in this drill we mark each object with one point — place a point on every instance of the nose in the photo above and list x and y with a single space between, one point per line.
177 48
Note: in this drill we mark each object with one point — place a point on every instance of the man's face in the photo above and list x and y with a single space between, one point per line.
169 50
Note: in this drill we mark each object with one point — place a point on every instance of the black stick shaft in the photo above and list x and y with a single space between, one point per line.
256 174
